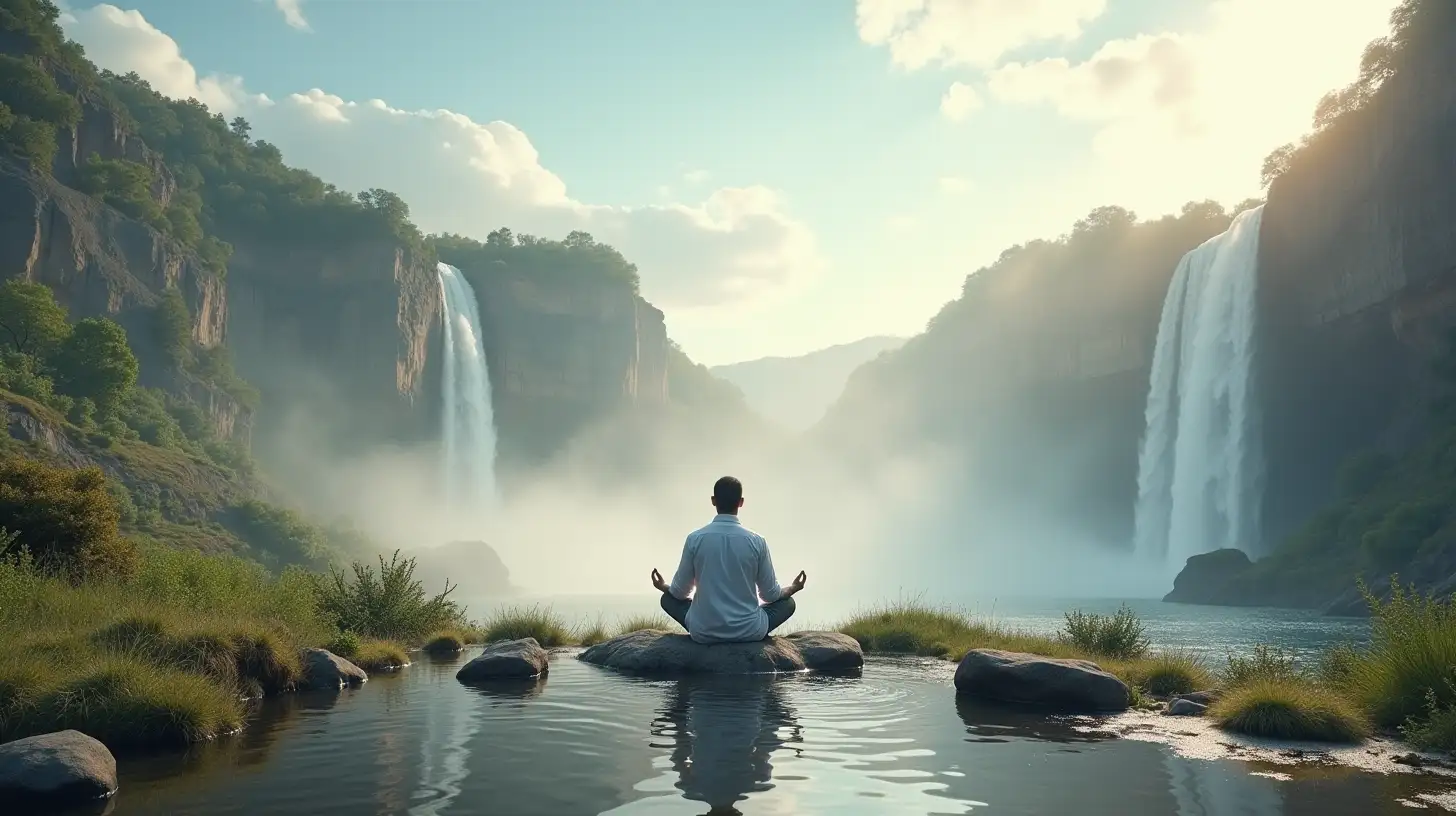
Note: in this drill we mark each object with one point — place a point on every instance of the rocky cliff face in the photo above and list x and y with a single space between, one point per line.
1358 284
102 263
561 356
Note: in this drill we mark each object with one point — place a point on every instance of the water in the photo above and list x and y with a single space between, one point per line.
468 422
1200 467
895 740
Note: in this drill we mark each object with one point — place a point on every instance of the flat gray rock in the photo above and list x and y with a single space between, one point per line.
1184 707
658 653
325 671
1203 698
506 660
1078 686
66 767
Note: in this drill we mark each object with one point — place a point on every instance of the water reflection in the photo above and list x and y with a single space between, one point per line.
723 733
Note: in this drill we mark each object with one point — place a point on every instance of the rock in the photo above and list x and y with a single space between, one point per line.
827 651
1184 707
661 653
325 671
1065 685
63 768
506 660
1210 578
1203 698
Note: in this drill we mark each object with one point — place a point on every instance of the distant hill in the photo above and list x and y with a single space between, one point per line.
795 391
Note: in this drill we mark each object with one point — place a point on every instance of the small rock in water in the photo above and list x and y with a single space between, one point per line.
1203 698
325 671
506 660
1184 707
665 654
1077 686
54 770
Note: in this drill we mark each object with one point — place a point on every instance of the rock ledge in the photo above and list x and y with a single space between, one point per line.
659 653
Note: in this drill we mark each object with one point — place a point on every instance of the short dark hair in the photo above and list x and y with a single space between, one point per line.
727 492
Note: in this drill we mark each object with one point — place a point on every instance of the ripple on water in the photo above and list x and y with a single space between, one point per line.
893 740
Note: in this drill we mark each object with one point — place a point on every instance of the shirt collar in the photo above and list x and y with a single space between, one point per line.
726 518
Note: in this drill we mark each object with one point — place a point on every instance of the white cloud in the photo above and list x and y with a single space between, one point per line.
959 102
1178 110
973 32
695 176
293 13
954 185
735 247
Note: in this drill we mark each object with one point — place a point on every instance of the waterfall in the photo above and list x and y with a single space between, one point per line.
468 422
1200 469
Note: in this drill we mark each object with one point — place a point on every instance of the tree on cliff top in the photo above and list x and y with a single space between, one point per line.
31 321
578 258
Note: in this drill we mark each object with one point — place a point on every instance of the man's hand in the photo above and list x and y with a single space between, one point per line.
798 584
657 581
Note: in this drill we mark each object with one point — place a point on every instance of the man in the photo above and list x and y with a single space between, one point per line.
729 566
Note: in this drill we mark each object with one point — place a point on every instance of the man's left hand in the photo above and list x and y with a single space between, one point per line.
657 581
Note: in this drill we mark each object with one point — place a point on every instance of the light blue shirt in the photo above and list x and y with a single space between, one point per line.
729 566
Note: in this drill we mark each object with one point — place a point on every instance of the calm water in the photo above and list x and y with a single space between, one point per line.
894 740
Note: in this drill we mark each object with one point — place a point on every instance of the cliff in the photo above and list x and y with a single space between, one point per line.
563 354
101 263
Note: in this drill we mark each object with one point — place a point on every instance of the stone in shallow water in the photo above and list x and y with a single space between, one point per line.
506 660
325 671
655 652
1203 698
53 770
1064 685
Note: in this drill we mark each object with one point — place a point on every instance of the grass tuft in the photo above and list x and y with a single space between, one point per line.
591 634
446 641
536 622
1267 662
637 623
379 655
1410 658
911 627
1164 673
1289 709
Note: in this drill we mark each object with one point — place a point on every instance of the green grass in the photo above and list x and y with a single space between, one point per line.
590 634
1436 731
536 622
1410 660
1119 636
1266 663
1291 710
910 627
446 641
380 655
1164 673
637 623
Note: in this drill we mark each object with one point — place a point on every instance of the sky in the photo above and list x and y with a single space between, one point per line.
786 175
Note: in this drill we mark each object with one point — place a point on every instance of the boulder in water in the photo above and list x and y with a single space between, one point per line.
325 671
55 770
506 660
1078 686
1211 578
657 653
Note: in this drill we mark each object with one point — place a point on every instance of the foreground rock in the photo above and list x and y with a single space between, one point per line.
55 770
1184 707
325 671
507 660
1077 686
659 653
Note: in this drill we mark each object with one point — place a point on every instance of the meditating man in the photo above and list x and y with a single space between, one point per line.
729 566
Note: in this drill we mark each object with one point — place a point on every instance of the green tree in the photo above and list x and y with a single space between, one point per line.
95 362
172 323
125 185
240 128
31 321
66 517
29 91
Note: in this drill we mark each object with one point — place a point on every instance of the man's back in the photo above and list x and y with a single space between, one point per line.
731 568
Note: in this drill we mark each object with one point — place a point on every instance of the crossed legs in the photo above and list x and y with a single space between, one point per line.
778 612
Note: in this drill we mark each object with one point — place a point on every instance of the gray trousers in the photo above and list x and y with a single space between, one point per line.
778 612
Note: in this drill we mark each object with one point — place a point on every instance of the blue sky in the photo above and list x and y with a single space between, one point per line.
784 174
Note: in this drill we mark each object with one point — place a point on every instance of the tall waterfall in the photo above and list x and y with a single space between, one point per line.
1200 470
469 424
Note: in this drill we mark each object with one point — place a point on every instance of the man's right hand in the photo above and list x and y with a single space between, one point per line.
657 581
798 584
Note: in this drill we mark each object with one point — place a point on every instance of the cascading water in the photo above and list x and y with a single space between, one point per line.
1200 470
469 423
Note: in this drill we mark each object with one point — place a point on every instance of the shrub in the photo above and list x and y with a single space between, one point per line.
527 622
386 604
65 517
1410 658
344 644
1120 635
1291 710
1436 730
912 627
1267 663
446 641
